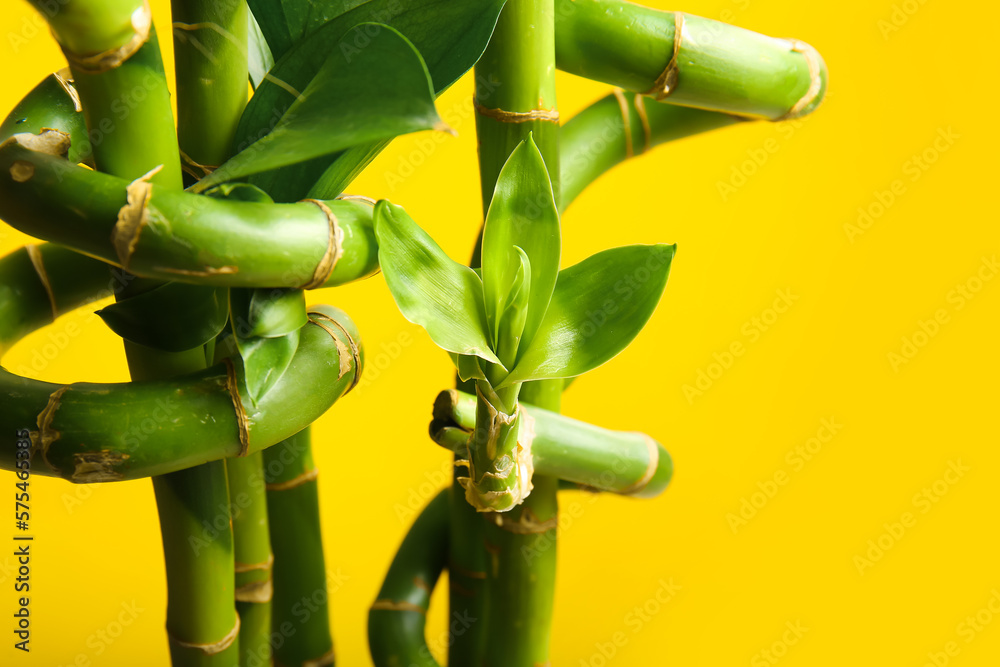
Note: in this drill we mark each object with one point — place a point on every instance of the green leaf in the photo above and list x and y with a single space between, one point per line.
357 96
259 57
597 309
150 318
449 35
522 213
431 289
267 313
467 366
239 192
514 311
265 360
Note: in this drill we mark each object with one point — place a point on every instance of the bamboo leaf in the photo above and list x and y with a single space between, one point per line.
522 213
514 311
597 309
467 366
259 57
265 360
356 97
150 318
267 313
431 289
449 35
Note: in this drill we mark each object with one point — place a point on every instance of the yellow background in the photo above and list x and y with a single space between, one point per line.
826 357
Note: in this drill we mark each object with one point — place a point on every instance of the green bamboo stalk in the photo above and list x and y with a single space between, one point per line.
253 557
397 619
111 432
618 127
712 66
521 59
185 237
53 103
621 462
301 597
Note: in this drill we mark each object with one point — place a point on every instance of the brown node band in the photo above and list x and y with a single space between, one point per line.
259 592
526 524
392 605
97 63
334 248
132 217
243 424
36 261
647 131
815 79
654 462
214 647
505 116
626 120
324 660
355 351
46 434
251 567
298 480
65 79
666 83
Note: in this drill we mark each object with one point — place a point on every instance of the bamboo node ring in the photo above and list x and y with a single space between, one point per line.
298 480
242 423
214 647
654 463
626 121
97 63
505 116
814 63
666 83
334 248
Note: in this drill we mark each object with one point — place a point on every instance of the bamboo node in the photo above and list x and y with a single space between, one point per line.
97 63
647 131
92 467
251 567
48 141
626 120
46 434
65 79
35 255
298 480
815 64
527 524
214 647
392 605
651 466
367 200
242 422
132 217
341 350
324 660
666 83
505 116
334 248
259 592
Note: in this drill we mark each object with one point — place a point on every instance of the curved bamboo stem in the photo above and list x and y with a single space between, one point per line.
688 60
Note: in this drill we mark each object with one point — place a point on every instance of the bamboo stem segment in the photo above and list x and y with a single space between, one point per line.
688 60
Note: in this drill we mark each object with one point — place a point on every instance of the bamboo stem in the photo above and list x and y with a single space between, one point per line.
688 60
301 596
521 59
398 616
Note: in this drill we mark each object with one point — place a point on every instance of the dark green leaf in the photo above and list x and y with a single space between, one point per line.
357 96
514 311
265 360
150 318
597 309
449 35
240 192
431 289
522 213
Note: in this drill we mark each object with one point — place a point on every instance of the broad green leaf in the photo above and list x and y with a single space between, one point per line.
522 213
259 57
240 192
265 360
267 313
150 318
356 97
467 366
430 288
449 35
597 309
